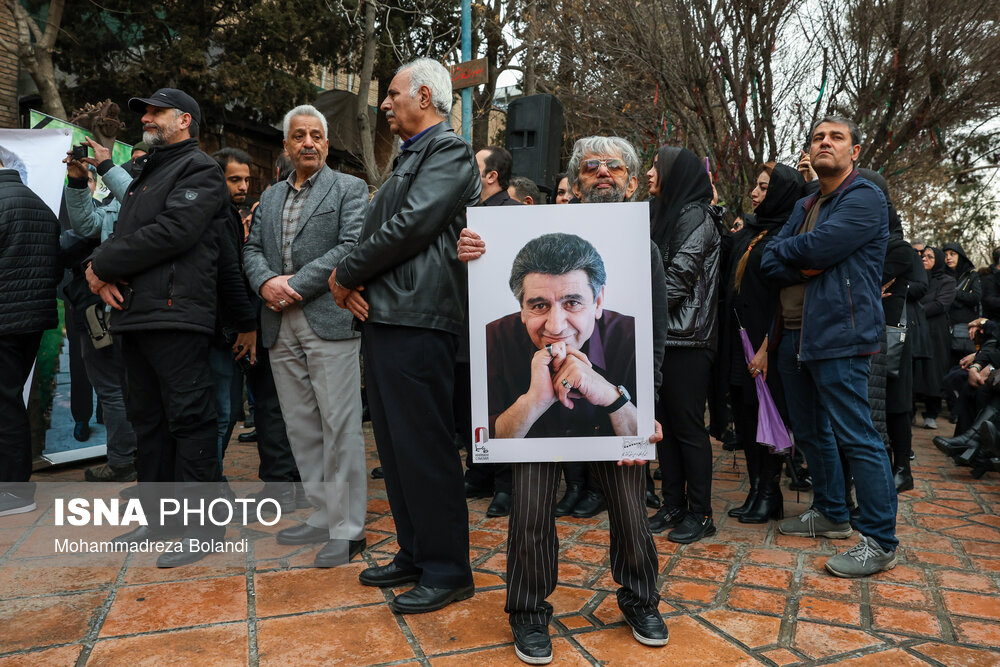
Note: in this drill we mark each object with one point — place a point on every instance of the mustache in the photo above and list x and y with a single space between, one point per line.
390 114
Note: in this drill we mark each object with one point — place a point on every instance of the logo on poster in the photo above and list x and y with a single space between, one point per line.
480 452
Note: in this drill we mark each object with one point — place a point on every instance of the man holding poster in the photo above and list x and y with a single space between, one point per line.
574 355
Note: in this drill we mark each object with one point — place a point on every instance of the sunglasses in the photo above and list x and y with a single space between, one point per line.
614 166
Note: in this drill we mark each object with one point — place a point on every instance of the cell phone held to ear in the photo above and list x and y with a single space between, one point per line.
127 293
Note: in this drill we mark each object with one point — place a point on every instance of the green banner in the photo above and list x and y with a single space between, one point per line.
121 152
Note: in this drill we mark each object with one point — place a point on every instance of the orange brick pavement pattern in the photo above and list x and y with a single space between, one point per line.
746 596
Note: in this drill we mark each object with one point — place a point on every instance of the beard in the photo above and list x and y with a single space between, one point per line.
613 195
154 137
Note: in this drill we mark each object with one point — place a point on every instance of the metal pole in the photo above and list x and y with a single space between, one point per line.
466 56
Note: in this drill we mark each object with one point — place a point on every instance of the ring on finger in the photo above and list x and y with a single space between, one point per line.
566 383
548 348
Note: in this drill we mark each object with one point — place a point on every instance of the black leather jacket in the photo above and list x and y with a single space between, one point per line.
691 267
407 257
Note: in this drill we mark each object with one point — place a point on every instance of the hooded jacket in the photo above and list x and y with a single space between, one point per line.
166 242
968 288
842 309
686 233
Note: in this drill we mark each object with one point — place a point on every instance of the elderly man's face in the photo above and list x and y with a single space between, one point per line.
560 309
604 178
162 125
306 143
402 111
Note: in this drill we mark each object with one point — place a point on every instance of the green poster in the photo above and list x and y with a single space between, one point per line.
120 153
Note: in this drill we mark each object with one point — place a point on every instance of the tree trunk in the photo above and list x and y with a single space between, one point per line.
33 49
375 175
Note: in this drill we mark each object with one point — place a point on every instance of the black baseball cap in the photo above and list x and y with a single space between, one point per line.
170 98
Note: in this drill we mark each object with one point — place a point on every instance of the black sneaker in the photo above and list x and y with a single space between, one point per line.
11 504
532 643
648 627
692 528
667 516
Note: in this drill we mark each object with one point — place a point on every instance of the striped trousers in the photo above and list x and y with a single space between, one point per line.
533 545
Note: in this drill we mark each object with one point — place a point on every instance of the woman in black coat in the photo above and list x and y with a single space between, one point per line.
968 297
929 372
750 303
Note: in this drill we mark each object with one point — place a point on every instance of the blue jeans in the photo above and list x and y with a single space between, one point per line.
828 405
220 360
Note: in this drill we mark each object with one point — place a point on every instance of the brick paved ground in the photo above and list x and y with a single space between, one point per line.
745 596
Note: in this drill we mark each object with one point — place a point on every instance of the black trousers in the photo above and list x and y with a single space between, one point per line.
484 475
410 380
533 545
685 453
170 400
81 391
276 461
17 354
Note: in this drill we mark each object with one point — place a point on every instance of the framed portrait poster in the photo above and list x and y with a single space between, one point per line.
560 332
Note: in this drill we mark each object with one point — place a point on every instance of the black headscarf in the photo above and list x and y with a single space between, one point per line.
784 189
939 267
963 266
683 180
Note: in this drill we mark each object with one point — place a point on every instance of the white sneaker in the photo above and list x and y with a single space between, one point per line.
930 423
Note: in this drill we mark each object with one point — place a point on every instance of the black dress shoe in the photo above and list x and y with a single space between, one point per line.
420 598
183 555
149 533
388 575
648 627
500 505
568 502
249 436
81 431
667 517
692 528
532 643
329 555
377 473
476 491
302 534
281 493
592 504
653 501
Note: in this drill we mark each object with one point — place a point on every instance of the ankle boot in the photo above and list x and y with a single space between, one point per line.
574 492
902 477
751 498
768 505
968 439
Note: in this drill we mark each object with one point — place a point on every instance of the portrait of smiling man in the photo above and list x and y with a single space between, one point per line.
563 366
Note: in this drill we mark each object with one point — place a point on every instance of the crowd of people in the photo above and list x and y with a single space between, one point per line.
848 324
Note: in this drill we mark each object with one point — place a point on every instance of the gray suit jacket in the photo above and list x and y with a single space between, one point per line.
331 221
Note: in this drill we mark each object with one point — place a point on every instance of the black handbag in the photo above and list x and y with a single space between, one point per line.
960 341
895 336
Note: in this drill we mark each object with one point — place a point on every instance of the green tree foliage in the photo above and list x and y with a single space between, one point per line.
238 59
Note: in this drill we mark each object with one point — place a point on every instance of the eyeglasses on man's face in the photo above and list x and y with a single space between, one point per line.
614 166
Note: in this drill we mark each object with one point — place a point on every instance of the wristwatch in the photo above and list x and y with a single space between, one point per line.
623 398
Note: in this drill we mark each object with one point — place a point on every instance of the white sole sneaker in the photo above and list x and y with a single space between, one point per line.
846 575
533 660
20 510
646 641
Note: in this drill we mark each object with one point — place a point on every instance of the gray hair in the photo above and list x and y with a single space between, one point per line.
429 72
525 187
602 146
839 120
11 160
555 255
304 110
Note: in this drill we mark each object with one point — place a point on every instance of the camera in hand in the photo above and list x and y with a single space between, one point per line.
80 152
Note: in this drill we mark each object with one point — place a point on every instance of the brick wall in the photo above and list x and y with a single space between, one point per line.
8 72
